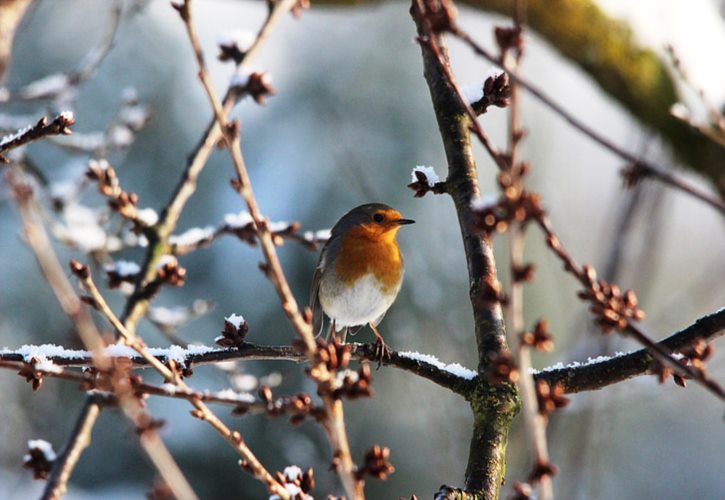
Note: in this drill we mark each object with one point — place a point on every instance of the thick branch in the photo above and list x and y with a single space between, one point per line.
197 356
493 405
575 379
594 376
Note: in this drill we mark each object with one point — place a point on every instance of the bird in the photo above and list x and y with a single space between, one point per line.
359 272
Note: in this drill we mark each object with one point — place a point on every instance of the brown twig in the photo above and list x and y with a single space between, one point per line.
643 169
619 321
172 376
59 85
510 42
79 440
333 422
198 238
59 126
715 130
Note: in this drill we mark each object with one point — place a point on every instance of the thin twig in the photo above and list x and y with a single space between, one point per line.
172 376
138 303
660 353
39 243
334 417
59 126
535 422
79 440
643 168
311 240
58 85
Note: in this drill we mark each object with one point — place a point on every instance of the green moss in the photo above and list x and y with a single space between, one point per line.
494 408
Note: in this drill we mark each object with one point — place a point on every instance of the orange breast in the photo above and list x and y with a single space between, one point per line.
362 253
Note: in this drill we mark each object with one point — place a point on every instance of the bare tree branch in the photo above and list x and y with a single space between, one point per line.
321 370
171 375
59 126
494 404
79 440
639 168
579 377
601 374
38 241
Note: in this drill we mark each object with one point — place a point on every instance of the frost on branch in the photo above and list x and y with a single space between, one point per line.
297 483
40 458
233 45
495 91
257 84
424 180
235 329
59 126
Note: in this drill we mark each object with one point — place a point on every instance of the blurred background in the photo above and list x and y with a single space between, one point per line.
351 118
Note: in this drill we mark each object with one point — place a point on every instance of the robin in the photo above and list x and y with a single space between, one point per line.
359 273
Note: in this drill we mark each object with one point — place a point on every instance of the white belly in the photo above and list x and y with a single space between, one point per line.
355 305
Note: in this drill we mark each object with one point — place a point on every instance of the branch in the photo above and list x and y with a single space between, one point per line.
606 49
534 420
59 126
242 226
576 378
616 310
639 168
158 236
593 376
494 404
79 440
172 376
322 370
13 12
60 85
453 376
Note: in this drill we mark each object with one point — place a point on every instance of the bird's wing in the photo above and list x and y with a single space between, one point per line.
315 306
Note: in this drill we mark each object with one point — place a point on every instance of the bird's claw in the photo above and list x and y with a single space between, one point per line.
381 352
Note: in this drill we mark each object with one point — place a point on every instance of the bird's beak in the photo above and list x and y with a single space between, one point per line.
402 222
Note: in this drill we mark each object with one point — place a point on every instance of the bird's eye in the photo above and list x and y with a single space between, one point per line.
378 217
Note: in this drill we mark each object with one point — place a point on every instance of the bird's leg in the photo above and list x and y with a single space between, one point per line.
332 332
381 350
